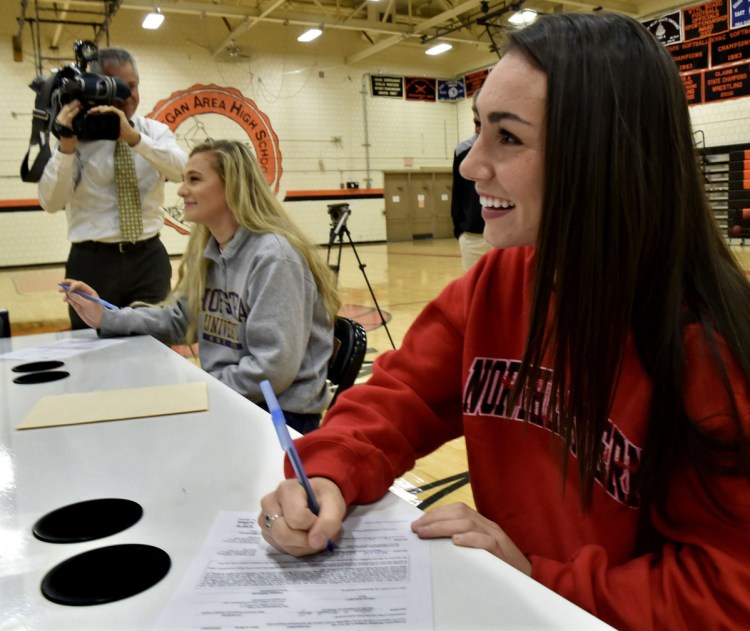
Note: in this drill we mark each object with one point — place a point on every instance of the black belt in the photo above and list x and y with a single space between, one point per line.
123 247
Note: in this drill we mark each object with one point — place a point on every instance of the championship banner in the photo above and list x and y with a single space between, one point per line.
420 89
710 43
391 87
451 90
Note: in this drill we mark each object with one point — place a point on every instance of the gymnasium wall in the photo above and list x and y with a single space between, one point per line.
331 133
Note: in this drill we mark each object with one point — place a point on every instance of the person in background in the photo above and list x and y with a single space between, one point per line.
80 178
466 211
251 289
597 360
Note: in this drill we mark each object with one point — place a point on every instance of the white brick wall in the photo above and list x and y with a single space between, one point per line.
726 123
316 107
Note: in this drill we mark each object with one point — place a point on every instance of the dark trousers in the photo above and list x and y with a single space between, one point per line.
121 275
303 423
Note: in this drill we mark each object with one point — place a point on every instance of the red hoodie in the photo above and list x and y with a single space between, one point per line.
452 376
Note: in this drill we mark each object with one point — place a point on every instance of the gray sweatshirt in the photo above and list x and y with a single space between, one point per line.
261 318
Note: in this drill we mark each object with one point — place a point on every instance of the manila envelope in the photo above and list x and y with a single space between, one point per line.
114 405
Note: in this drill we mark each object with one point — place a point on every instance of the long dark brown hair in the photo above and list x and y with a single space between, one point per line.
629 246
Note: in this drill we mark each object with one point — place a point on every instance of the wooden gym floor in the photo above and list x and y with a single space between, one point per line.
403 277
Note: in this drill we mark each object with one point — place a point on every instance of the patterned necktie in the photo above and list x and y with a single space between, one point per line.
128 197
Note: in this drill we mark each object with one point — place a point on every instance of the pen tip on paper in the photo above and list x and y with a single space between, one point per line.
329 546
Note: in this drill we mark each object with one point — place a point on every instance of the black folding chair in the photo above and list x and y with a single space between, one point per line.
349 348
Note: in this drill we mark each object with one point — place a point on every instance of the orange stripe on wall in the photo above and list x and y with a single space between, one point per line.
351 193
335 192
18 203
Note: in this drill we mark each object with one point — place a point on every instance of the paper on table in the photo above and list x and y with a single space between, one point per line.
113 405
61 349
377 577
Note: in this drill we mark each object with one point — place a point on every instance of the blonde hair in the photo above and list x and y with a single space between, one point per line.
256 209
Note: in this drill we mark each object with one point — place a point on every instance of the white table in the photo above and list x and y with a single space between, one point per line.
184 469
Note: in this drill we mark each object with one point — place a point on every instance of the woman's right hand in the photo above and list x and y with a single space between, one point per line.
288 524
90 312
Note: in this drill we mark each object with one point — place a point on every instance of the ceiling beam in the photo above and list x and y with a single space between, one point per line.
621 6
333 16
419 28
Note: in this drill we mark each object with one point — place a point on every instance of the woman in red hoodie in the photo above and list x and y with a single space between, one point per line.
597 361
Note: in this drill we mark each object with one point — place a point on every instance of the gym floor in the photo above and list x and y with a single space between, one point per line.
379 283
384 286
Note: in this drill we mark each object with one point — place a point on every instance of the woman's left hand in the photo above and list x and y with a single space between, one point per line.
469 529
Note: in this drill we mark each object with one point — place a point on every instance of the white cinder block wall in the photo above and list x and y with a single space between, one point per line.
317 108
330 131
726 123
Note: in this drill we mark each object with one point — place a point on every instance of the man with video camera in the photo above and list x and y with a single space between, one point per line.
126 262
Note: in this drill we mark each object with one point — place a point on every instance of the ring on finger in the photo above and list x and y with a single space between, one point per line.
270 519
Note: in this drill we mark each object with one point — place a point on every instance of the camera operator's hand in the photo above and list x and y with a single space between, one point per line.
127 132
64 120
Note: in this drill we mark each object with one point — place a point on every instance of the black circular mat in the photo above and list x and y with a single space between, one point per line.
41 377
105 575
37 366
85 521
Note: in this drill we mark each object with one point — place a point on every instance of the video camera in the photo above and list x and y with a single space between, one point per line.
337 211
339 214
70 83
75 82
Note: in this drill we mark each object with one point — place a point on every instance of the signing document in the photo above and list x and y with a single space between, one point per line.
378 576
61 349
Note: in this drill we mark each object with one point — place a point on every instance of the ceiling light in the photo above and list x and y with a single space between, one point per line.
524 17
310 35
153 20
438 49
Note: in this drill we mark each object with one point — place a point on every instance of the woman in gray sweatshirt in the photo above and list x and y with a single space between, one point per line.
251 289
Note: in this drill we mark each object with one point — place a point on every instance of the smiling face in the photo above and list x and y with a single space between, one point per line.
203 192
507 160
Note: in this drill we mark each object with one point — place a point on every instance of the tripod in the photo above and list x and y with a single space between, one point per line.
339 215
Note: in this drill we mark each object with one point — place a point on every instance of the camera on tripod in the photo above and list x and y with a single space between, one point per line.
337 211
339 214
74 82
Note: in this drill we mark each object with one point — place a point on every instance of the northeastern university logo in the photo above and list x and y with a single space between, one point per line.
487 393
213 99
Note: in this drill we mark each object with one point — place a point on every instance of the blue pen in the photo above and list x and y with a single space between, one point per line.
83 294
279 423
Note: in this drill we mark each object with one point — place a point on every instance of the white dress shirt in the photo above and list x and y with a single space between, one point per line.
83 183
